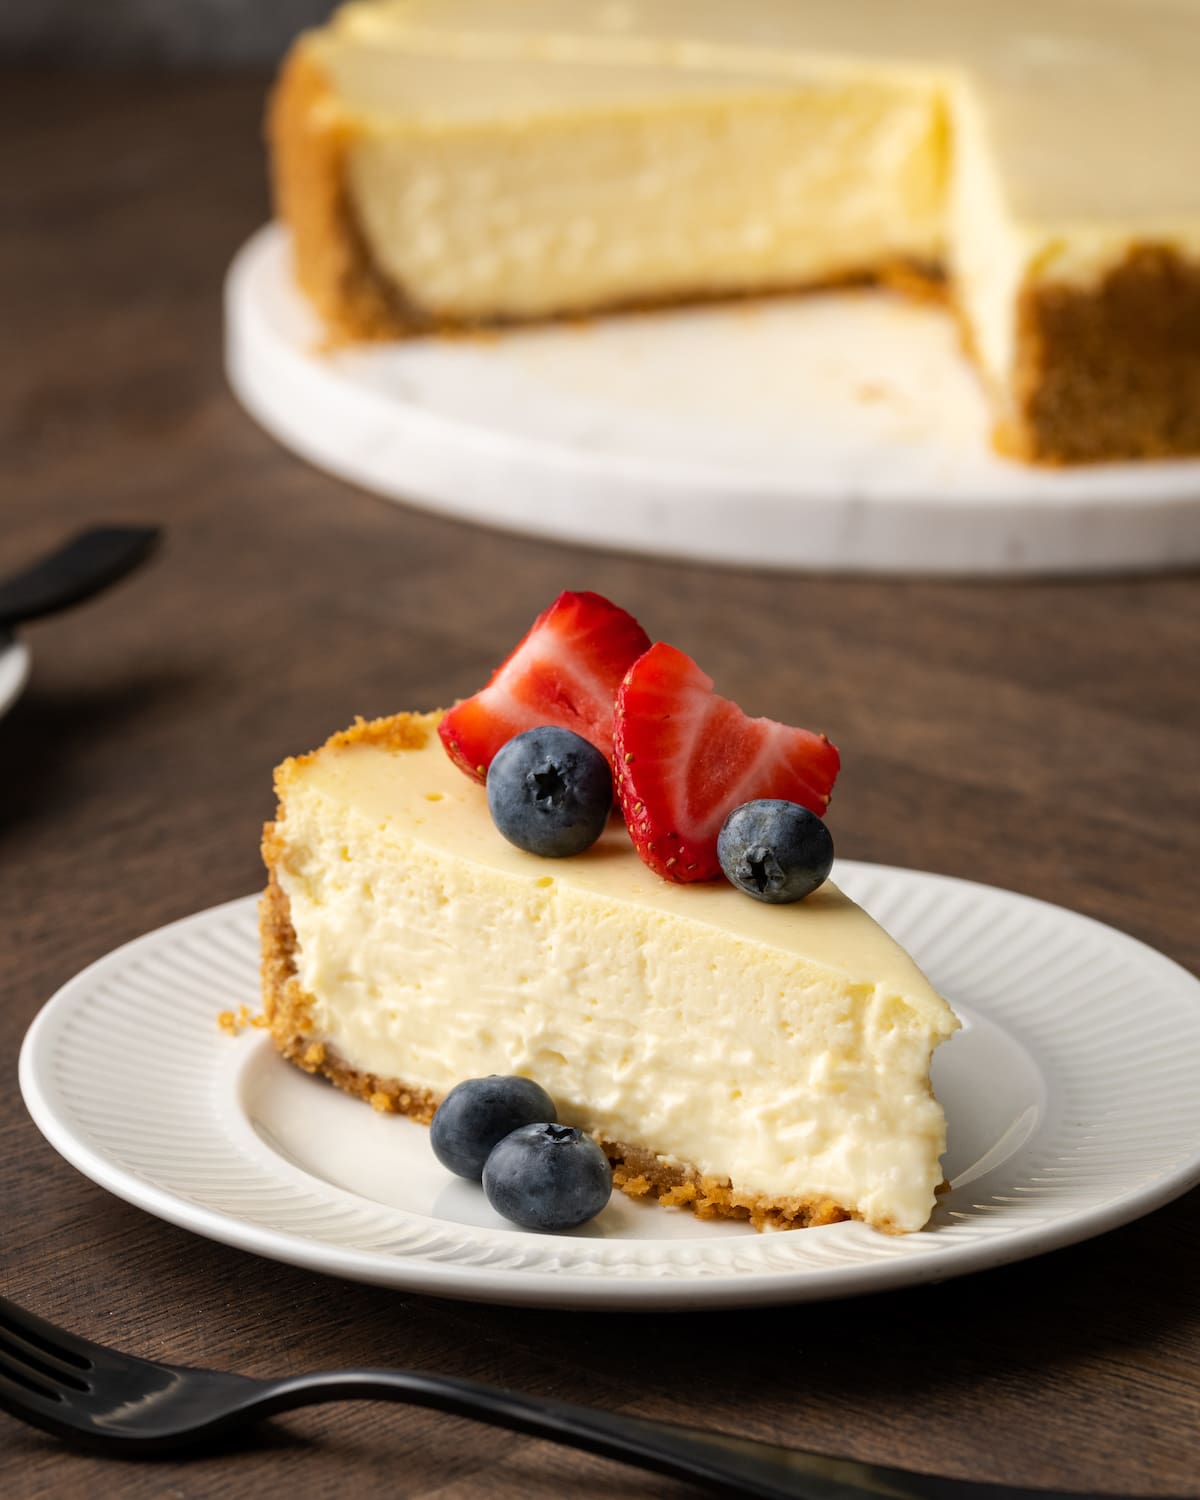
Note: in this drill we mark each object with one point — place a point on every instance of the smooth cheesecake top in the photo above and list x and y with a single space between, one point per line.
394 774
1089 107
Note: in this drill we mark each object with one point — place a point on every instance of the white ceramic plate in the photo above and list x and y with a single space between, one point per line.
14 670
1070 1096
843 431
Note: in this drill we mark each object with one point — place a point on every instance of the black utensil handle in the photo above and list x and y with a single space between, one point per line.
709 1459
718 1460
89 562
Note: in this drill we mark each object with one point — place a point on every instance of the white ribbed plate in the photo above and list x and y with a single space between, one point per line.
1070 1096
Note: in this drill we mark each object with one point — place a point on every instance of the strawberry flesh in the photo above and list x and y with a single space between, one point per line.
685 758
565 671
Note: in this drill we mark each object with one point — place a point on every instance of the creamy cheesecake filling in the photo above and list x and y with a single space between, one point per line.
786 1049
704 193
1089 104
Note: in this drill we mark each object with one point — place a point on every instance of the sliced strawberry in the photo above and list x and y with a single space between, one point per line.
565 671
685 758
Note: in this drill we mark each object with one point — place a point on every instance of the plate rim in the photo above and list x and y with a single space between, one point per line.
566 1289
1119 518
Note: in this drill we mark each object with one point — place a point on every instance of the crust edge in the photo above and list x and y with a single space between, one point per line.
307 140
1108 371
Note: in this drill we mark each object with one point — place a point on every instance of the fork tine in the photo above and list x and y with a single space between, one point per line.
45 1340
23 1388
22 1360
52 1413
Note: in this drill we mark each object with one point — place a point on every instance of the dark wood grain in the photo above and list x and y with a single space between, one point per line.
1040 736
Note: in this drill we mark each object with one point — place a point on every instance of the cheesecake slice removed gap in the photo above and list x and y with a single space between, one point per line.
745 1060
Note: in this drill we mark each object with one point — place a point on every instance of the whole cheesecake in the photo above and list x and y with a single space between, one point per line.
762 1062
457 163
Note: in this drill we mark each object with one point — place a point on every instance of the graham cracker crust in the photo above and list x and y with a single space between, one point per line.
1109 371
637 1171
307 143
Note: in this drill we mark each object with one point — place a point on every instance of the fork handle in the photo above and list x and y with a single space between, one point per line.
717 1460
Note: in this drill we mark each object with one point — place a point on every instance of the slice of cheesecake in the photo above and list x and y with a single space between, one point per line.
769 1062
451 163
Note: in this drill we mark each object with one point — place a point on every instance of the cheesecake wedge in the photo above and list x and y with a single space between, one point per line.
752 1061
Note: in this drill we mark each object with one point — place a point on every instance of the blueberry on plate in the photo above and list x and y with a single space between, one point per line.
476 1114
548 1177
774 850
549 791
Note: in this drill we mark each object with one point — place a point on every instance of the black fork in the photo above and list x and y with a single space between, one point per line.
89 1393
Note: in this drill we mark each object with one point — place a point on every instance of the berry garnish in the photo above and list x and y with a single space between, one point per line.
685 758
475 1115
549 791
547 1177
565 671
775 851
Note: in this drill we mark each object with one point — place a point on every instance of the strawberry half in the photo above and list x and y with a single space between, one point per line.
565 671
685 758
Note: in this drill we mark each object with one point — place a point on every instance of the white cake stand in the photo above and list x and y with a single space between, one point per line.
842 432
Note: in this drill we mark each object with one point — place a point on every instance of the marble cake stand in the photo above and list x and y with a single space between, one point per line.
838 432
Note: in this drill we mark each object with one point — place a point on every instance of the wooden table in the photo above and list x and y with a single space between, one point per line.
1039 736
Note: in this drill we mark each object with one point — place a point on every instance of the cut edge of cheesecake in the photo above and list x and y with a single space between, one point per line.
358 302
638 1170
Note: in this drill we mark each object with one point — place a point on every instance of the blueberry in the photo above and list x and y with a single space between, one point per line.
476 1114
549 791
547 1177
774 850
